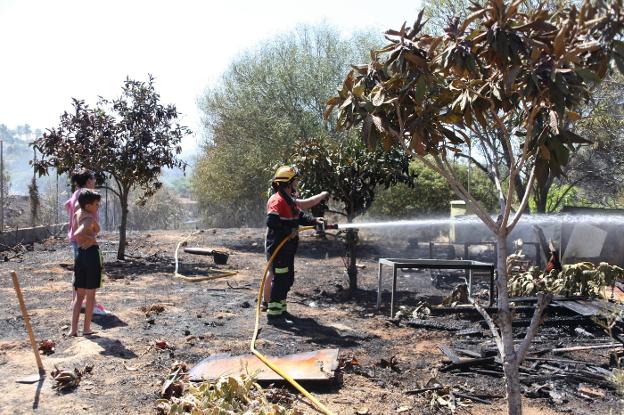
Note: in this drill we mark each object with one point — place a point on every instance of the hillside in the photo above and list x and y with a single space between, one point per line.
17 154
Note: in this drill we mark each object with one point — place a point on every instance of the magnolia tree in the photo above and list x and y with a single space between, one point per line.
129 139
428 93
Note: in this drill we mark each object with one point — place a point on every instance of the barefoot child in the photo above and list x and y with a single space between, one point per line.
88 262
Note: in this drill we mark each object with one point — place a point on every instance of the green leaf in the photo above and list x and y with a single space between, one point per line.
587 74
358 91
421 88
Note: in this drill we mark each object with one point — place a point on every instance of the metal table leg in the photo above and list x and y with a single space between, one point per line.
394 280
379 287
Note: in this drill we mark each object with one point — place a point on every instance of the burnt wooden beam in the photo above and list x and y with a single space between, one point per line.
464 363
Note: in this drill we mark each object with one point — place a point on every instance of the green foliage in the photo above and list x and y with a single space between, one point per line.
560 195
228 395
429 93
617 378
352 175
267 99
182 186
348 171
583 279
161 211
130 138
598 169
431 194
230 188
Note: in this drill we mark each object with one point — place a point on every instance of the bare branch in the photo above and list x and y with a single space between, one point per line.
525 201
491 325
512 171
542 302
111 189
474 204
474 161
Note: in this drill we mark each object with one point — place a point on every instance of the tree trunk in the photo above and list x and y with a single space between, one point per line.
541 196
509 356
514 395
520 189
351 255
121 250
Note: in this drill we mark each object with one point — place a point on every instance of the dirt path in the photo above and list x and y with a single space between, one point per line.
201 319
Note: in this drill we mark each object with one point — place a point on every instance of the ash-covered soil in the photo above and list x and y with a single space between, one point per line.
380 359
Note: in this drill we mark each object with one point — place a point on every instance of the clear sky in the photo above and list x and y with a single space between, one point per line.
53 50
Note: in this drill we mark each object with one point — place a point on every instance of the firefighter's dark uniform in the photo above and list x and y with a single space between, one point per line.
282 217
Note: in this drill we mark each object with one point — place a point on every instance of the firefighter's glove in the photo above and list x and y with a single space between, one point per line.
320 224
294 233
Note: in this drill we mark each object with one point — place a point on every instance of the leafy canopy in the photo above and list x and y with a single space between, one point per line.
268 98
428 92
349 172
131 138
431 194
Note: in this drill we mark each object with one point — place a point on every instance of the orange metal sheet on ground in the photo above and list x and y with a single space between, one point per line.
318 365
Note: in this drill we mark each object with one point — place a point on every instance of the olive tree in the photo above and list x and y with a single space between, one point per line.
428 93
129 139
268 98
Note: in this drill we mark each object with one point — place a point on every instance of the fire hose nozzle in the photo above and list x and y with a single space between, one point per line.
322 226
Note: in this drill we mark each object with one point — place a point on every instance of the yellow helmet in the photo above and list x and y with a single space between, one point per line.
286 174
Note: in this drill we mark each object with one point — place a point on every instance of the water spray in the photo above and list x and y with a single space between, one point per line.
536 219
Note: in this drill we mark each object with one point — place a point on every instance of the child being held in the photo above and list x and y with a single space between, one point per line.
88 262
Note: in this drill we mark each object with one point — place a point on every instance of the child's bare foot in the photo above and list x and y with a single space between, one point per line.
88 333
70 334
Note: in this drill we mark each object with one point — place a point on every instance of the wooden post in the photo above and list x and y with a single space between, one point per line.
33 343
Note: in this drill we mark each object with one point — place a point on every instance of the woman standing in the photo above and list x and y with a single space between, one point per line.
81 179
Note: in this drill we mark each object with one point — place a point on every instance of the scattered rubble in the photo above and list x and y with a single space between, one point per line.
47 346
66 380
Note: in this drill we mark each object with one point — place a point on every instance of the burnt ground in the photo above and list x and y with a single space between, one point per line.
381 359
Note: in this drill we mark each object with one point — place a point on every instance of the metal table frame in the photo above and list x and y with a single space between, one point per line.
406 263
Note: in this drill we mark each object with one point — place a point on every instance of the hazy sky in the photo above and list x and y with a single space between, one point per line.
53 50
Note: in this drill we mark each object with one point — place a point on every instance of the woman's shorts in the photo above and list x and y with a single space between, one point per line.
88 268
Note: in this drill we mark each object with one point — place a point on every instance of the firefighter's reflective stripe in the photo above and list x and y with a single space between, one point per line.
275 308
283 270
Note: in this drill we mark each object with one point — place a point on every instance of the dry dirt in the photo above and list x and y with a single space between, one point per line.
205 318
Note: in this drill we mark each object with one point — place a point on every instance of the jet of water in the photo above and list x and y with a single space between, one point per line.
538 219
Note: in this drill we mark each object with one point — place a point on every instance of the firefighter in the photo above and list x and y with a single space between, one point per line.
284 216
